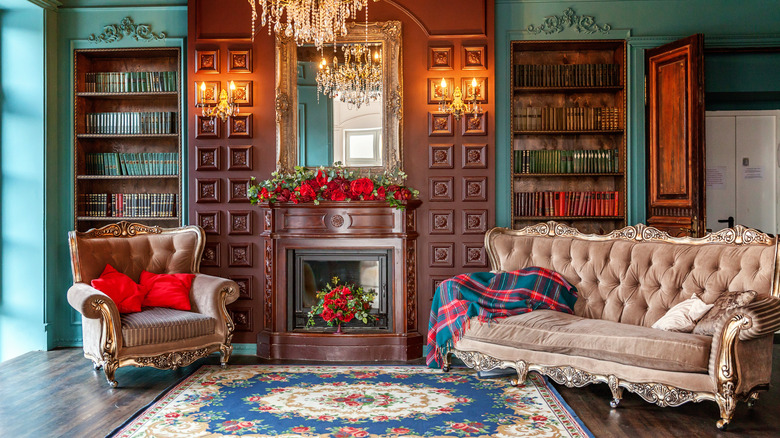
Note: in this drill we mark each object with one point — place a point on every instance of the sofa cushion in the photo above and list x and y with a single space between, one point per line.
720 310
156 325
683 316
555 332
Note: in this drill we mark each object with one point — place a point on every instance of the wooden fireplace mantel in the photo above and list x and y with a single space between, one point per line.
342 225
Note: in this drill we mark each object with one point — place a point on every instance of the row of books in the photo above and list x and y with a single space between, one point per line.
596 204
558 161
157 122
151 205
566 119
130 82
566 75
142 163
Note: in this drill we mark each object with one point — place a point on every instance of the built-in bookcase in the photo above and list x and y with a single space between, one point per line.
568 133
128 137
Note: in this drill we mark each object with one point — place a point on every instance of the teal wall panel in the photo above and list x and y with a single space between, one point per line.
23 143
644 24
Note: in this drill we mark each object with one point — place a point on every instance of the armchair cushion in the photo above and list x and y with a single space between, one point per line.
126 293
724 304
167 290
156 325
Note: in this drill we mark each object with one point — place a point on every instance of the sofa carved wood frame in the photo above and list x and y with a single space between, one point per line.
728 368
109 352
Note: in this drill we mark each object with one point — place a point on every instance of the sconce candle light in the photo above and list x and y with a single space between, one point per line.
458 107
225 107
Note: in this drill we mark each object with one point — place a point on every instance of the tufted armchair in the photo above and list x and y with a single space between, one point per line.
158 337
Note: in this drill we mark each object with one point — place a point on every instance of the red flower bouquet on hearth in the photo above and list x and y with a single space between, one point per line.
331 184
342 303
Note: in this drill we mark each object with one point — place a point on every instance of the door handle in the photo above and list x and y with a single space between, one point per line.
729 221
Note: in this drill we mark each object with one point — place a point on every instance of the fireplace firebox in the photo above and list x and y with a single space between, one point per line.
310 270
365 242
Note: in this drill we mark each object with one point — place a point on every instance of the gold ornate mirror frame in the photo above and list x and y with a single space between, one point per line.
389 34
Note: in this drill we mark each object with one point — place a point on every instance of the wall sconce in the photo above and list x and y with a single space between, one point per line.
226 105
458 107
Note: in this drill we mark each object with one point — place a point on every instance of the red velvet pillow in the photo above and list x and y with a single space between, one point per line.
167 290
126 293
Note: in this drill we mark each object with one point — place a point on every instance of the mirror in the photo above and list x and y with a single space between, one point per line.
314 129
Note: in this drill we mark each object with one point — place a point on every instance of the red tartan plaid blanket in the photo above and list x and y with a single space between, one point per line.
489 296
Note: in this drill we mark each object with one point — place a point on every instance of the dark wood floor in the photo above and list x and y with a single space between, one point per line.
57 394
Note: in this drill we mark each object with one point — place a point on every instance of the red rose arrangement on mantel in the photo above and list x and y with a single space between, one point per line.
331 184
339 304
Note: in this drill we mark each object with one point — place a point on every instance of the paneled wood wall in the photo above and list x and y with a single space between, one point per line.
451 164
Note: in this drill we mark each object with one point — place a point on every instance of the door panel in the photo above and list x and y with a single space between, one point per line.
721 170
755 160
675 137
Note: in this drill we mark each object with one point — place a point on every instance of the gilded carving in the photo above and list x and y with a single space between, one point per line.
126 27
122 229
269 290
174 359
411 284
557 24
663 395
569 376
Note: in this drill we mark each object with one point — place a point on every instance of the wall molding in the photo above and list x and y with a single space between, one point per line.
51 5
428 33
126 27
569 19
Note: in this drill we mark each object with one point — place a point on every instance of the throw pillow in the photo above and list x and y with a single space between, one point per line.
167 290
721 308
683 316
126 293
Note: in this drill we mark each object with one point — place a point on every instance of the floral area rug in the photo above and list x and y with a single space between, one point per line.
354 401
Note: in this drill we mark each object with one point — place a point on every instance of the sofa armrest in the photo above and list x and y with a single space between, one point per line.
88 300
210 294
764 316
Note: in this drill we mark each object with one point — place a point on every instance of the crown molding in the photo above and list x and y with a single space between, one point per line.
51 5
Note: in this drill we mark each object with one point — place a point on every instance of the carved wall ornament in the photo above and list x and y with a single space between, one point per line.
558 23
126 27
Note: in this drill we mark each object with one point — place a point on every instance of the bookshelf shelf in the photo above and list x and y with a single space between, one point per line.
592 131
123 177
125 218
602 89
567 218
96 136
558 175
131 95
117 91
568 142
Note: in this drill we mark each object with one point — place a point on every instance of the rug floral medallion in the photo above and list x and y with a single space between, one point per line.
354 401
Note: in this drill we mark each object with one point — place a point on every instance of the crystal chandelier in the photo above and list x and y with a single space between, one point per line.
307 21
356 81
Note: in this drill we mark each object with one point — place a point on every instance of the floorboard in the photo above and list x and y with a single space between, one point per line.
57 394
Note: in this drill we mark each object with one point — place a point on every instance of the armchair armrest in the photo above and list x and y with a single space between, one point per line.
206 294
764 316
87 300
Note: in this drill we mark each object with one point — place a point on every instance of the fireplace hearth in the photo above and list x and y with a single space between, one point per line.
368 243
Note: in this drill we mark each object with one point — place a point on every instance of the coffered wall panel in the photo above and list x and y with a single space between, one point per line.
450 162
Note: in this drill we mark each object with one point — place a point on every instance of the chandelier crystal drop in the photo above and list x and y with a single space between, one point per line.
356 81
306 21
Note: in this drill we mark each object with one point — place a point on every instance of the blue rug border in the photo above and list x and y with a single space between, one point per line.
164 392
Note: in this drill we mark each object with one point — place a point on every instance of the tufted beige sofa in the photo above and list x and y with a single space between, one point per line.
627 280
157 337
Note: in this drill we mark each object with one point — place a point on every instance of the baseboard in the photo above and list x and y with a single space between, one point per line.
777 338
244 349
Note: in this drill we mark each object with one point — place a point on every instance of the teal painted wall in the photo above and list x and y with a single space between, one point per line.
75 24
23 143
645 24
315 119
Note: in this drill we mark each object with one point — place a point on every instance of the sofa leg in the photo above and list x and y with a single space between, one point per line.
521 367
97 366
727 404
617 391
224 355
110 369
445 362
752 399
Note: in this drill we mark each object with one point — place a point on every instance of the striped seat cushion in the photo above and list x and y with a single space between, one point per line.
155 325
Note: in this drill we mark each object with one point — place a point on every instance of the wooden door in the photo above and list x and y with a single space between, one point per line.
675 137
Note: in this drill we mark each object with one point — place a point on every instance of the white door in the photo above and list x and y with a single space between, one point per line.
742 169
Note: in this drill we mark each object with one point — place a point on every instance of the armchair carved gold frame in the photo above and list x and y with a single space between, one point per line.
727 367
97 309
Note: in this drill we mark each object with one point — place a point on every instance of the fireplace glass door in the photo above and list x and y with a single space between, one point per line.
310 270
